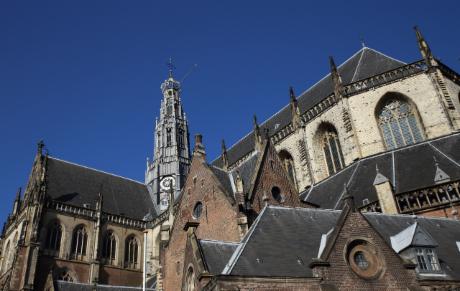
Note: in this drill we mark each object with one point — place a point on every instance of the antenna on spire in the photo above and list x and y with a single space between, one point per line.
171 67
190 71
363 44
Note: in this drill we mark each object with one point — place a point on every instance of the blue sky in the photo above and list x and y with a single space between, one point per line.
85 75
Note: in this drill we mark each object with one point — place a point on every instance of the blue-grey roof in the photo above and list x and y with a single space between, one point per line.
216 254
409 168
365 63
73 286
283 241
78 185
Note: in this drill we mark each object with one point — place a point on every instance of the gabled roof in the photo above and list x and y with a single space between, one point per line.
283 241
216 254
413 235
397 165
363 64
79 186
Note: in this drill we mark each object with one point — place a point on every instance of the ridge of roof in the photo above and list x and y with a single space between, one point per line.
96 170
412 216
385 55
239 250
218 241
357 66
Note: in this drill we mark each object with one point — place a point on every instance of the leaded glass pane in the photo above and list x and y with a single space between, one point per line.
396 133
408 139
387 136
415 129
328 157
335 154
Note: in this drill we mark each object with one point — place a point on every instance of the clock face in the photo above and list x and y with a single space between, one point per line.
166 183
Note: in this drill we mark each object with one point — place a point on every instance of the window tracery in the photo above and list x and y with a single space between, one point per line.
288 163
399 123
79 241
132 251
54 237
332 151
109 248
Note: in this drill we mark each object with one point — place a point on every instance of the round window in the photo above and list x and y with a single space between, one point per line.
276 193
364 259
197 210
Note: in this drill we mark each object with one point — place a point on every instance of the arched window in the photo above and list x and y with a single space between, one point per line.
109 247
79 241
53 240
132 252
190 280
332 151
398 121
168 137
288 163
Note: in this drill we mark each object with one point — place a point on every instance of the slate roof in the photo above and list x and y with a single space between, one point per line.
445 232
72 286
216 254
365 63
283 241
78 185
223 178
400 166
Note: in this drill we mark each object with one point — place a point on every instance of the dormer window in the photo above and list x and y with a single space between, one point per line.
427 260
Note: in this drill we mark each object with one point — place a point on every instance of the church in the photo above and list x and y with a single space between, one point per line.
353 185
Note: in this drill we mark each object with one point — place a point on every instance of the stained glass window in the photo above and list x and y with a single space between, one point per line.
54 237
398 124
332 150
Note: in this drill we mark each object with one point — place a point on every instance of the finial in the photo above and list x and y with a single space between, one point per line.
18 194
377 169
347 198
40 147
363 44
171 67
335 78
292 94
256 125
424 48
224 156
435 161
224 148
332 64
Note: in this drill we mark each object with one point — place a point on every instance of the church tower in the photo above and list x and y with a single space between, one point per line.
171 152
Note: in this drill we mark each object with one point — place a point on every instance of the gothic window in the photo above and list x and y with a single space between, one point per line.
168 137
427 260
288 163
79 241
332 151
190 280
109 247
53 240
399 124
131 252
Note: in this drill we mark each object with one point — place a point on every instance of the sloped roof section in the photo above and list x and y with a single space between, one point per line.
217 254
363 64
444 232
284 241
400 166
79 186
73 286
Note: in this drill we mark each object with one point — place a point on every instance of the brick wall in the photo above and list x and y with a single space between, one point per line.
218 219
